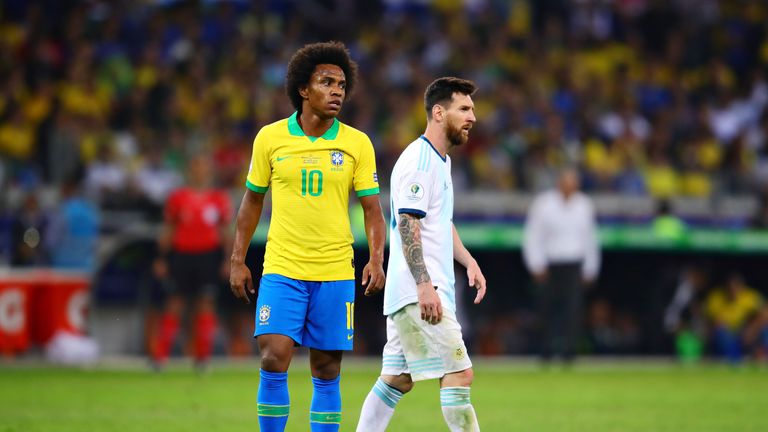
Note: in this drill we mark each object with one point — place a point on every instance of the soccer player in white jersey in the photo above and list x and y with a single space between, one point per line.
423 337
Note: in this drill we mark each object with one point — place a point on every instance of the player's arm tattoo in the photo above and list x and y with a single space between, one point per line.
410 232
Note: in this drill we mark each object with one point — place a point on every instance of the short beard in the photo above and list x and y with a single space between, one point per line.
455 135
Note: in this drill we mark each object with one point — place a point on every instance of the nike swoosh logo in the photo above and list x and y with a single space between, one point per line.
350 336
280 158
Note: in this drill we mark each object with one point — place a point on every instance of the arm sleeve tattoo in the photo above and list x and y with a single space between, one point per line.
410 232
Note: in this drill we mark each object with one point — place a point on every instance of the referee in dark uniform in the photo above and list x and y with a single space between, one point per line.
561 250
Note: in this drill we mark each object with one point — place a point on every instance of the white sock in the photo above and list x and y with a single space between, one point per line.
457 409
378 407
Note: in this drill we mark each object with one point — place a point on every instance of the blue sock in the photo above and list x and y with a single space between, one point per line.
325 411
273 401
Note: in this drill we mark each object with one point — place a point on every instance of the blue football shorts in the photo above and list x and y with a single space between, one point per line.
317 315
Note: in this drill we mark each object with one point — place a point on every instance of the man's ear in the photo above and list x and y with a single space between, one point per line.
438 112
304 92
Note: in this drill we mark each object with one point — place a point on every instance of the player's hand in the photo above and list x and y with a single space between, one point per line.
476 280
160 268
541 277
429 303
240 281
373 278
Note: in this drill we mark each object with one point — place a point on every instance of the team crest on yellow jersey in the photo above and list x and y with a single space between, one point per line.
337 158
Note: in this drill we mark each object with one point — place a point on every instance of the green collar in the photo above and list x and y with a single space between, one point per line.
295 129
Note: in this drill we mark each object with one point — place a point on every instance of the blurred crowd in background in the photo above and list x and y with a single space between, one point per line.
659 98
103 103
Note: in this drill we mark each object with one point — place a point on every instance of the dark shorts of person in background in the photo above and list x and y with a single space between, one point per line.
195 274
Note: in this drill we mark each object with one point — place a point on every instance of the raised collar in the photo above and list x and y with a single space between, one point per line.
295 130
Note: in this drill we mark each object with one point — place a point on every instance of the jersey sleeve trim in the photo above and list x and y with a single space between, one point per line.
366 192
410 211
257 189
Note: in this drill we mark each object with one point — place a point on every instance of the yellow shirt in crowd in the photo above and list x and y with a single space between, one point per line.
733 313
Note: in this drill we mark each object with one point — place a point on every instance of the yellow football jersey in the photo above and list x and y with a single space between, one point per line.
309 235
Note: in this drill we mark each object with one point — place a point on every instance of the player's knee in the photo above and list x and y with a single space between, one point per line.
459 379
326 371
404 383
272 361
405 387
325 364
205 303
174 305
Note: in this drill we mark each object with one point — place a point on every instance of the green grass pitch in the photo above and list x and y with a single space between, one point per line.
508 396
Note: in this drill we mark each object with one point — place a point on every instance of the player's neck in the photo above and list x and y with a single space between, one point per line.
313 125
438 139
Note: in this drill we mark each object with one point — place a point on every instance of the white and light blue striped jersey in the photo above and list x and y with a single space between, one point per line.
421 185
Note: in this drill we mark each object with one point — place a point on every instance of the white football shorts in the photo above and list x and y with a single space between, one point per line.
423 350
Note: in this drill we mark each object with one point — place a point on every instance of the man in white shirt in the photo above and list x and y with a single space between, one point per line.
561 250
424 338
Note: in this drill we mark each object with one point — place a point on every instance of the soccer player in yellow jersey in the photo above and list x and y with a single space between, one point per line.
307 292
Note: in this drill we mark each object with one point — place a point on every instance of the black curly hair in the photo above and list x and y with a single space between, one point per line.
442 89
303 64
